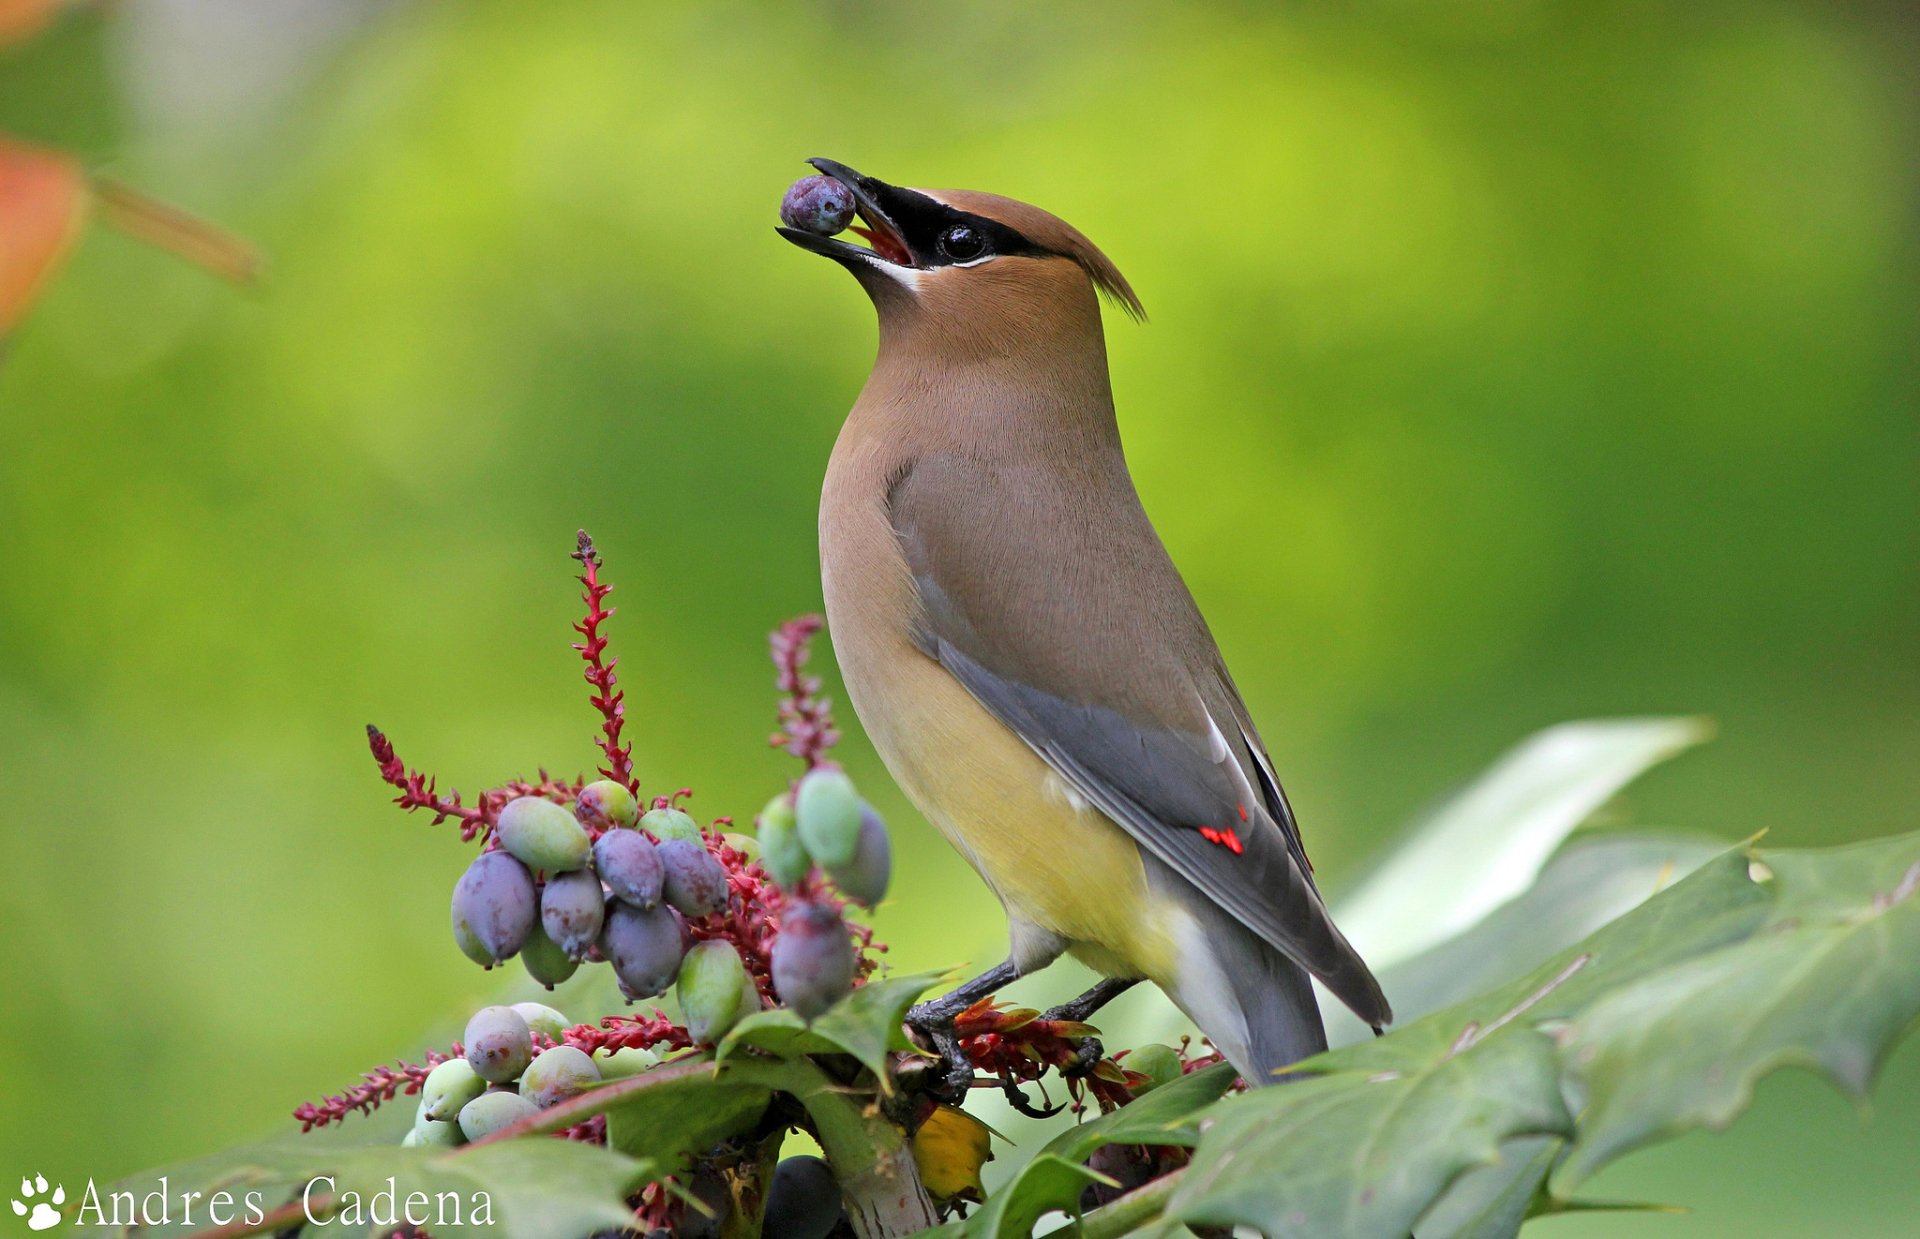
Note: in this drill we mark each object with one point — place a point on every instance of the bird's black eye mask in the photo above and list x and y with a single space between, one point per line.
909 229
935 234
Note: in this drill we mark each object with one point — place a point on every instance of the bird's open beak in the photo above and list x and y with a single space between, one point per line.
879 205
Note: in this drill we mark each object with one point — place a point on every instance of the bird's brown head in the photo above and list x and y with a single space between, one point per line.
964 263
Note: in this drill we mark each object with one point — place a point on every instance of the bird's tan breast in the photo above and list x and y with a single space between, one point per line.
1055 864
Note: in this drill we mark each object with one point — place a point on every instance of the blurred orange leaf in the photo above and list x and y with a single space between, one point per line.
43 198
22 19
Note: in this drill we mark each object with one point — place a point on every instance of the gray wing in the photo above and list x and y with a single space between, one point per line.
1099 661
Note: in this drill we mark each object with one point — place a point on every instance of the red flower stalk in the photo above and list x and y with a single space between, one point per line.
806 718
383 1084
625 1032
421 791
380 1085
610 701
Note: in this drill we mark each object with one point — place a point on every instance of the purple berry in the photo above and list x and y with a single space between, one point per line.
494 905
572 909
630 867
644 946
695 883
1129 1165
817 204
803 1202
813 961
499 1044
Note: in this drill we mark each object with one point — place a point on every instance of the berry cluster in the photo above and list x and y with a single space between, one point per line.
515 1063
587 872
577 872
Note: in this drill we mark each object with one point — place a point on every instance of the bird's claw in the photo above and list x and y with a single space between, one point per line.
1086 1056
949 1082
1018 1100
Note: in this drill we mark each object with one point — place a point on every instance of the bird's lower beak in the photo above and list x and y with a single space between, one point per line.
878 204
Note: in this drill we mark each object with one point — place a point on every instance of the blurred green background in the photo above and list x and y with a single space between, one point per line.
1510 362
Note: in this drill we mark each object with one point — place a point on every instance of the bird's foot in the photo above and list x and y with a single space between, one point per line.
1088 1052
931 1024
1102 993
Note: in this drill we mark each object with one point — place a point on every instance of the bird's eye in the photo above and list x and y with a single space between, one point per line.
962 243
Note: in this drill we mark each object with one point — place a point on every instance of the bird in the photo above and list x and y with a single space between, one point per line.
1023 653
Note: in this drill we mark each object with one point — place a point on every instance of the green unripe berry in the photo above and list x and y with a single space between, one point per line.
1159 1063
665 824
627 1061
543 1020
545 961
864 878
827 810
557 1074
542 835
605 805
449 1086
491 1111
710 990
782 853
434 1134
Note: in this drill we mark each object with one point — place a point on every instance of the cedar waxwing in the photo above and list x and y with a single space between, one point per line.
1024 654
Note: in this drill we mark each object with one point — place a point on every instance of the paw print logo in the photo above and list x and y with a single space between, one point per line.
44 1213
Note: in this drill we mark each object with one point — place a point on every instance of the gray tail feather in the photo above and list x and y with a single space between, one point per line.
1255 1005
1277 1003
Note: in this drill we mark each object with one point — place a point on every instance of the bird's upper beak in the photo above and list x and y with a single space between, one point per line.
882 208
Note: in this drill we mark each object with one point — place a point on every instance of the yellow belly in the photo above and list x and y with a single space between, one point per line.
1056 865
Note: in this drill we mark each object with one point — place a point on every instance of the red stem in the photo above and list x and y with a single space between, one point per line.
607 699
806 718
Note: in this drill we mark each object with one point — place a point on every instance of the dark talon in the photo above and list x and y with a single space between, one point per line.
1018 1100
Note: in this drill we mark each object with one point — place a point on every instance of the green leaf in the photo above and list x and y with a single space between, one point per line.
867 1023
1055 1177
1046 1183
1662 1021
1486 845
1372 1138
1828 983
1357 1153
1491 1202
540 1185
1164 1116
681 1117
1592 880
